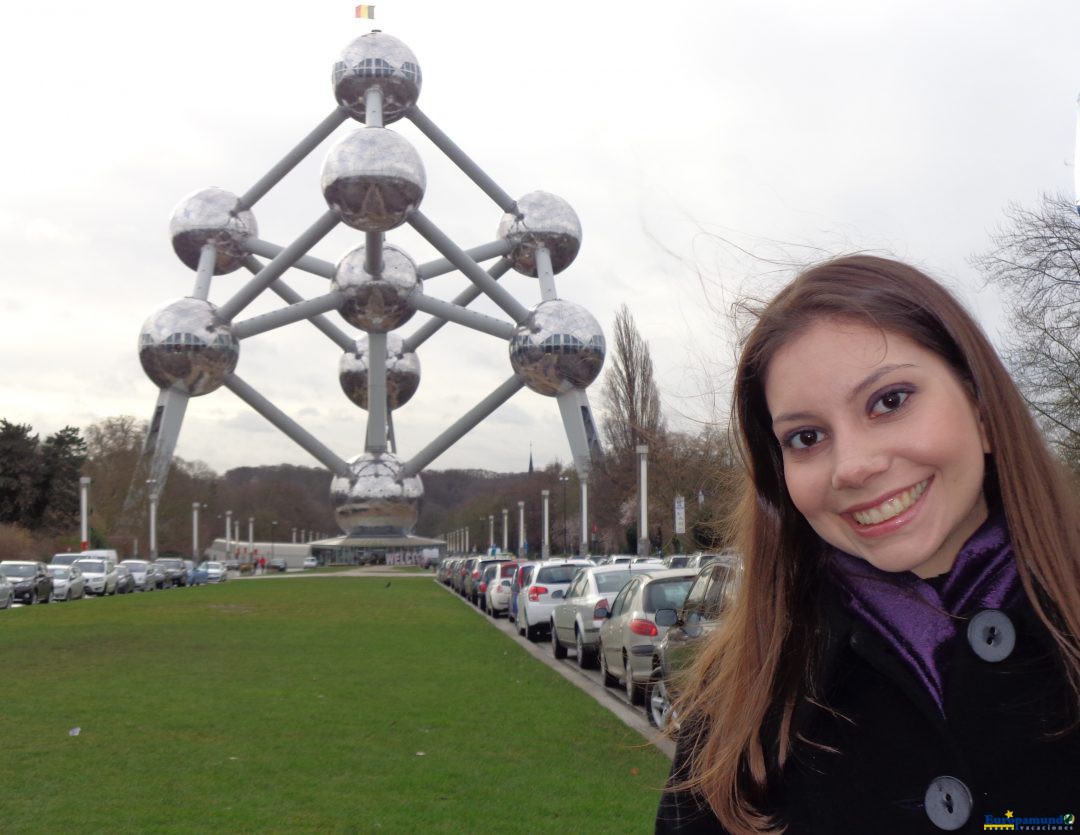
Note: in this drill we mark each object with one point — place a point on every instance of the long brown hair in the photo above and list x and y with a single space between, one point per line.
738 698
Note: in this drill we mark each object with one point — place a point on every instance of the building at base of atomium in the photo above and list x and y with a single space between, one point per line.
373 181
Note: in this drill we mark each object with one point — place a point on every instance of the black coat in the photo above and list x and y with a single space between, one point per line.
893 744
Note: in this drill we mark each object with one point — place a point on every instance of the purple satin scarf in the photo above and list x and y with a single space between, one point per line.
915 619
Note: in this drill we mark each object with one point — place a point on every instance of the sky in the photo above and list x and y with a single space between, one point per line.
707 147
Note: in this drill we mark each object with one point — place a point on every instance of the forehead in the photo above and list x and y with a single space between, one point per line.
832 353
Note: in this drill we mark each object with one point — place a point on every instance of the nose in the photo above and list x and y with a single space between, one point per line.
858 459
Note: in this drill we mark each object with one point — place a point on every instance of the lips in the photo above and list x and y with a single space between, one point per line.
891 507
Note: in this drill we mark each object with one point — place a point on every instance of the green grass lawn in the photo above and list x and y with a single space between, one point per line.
325 705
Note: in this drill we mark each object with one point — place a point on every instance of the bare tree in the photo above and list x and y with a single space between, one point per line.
1035 261
630 398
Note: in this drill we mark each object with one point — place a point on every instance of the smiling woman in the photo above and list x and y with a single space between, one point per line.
904 654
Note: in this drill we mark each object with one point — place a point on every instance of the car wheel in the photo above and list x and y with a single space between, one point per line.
532 633
657 704
635 693
557 648
609 679
521 622
585 658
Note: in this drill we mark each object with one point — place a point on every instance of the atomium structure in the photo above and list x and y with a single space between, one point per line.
373 180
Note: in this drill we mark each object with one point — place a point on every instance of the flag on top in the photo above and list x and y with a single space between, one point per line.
366 12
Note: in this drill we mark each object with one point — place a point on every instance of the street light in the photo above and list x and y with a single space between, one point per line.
565 529
84 527
273 538
153 517
195 506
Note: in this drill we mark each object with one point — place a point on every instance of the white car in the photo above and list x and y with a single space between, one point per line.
145 579
68 582
216 572
100 574
311 562
535 601
578 613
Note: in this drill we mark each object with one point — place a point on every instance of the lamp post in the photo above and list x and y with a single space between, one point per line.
195 530
251 536
273 537
643 500
506 531
565 529
521 530
491 532
228 532
153 517
545 538
84 523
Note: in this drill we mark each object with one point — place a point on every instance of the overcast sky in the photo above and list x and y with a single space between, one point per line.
683 134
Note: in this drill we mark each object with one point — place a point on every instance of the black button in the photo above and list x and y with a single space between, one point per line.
992 635
948 803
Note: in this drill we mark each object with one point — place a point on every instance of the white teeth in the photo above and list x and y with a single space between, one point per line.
893 507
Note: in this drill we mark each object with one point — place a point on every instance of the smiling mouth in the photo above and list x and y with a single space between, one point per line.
893 507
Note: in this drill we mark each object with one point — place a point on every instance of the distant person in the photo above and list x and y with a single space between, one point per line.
903 653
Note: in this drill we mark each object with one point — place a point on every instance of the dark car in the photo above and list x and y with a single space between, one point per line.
703 610
175 571
30 581
125 580
278 564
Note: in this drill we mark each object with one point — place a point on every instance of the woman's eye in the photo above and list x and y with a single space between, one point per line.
803 439
889 402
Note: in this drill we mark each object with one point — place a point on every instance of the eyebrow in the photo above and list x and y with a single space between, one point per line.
858 389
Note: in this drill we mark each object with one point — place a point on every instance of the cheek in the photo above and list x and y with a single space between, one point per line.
805 487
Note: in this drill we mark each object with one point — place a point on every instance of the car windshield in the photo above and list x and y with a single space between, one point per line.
667 594
137 567
214 566
170 563
17 570
60 572
94 566
556 573
611 581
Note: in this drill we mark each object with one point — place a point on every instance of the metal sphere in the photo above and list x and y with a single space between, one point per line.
542 219
373 178
558 348
374 499
188 347
212 216
377 303
402 372
377 59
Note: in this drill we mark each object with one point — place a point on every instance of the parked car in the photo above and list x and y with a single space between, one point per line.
278 564
521 580
175 571
472 582
215 572
701 612
702 559
199 575
157 575
141 574
125 581
7 593
100 574
68 582
578 612
629 634
550 579
30 581
311 562
677 561
496 589
65 558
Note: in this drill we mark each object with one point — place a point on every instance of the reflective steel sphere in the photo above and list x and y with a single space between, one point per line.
187 346
373 179
558 348
374 499
402 372
213 216
377 303
546 220
377 59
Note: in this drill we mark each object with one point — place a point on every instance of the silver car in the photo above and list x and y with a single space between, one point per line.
629 634
7 593
577 614
68 582
140 570
549 580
